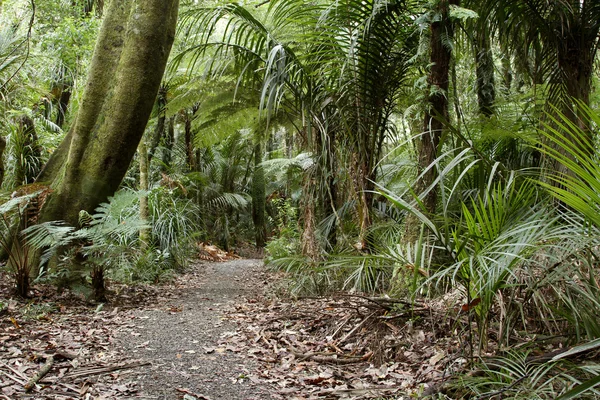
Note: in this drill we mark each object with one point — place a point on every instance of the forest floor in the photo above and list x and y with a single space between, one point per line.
218 332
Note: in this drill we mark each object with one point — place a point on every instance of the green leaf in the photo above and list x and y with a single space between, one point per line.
461 13
578 349
580 389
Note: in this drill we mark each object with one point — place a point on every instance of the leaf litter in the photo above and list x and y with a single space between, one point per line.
337 347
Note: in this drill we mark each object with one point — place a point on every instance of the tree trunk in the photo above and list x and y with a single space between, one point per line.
144 185
2 148
63 104
126 70
189 138
310 245
130 57
159 131
436 116
259 197
168 142
484 60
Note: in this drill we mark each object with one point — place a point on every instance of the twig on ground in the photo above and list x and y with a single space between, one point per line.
43 372
332 358
102 370
358 391
20 374
356 328
13 378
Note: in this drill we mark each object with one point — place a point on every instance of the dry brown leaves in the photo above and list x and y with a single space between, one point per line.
347 347
209 252
74 339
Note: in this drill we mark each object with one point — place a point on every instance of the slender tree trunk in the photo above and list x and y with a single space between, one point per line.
189 139
484 60
310 245
331 179
507 73
63 104
259 197
144 186
2 148
168 142
159 131
436 116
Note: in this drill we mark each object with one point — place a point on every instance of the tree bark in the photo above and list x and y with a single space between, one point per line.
63 104
130 57
169 141
484 61
436 116
259 197
144 185
159 131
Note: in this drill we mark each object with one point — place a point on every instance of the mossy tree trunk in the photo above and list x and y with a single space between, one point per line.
159 131
127 67
125 73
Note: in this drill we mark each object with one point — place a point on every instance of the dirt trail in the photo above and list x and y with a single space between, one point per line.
182 338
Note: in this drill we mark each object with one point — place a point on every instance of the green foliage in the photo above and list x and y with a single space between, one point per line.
12 217
173 221
286 242
519 376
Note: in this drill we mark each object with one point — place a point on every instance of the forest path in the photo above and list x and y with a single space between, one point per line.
184 337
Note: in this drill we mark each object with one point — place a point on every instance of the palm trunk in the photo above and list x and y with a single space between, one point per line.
484 60
436 116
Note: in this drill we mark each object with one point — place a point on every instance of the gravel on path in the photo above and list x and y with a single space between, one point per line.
182 338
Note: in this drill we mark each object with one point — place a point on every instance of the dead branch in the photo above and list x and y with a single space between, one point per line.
332 358
43 372
384 302
356 328
102 370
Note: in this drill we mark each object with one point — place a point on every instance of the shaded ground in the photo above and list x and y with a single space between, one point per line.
185 339
213 334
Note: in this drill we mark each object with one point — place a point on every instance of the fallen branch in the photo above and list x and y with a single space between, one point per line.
42 373
384 302
356 328
404 314
359 391
103 370
332 358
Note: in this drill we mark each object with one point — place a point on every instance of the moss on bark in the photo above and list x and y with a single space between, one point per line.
127 67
